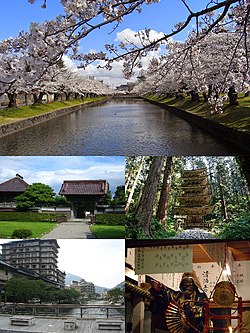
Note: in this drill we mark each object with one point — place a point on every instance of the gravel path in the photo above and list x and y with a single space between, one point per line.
194 234
70 230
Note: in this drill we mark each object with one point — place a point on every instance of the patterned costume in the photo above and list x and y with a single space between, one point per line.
184 307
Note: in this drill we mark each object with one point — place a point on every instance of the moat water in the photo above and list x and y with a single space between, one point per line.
118 127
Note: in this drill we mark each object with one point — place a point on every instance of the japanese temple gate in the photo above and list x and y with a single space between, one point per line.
84 195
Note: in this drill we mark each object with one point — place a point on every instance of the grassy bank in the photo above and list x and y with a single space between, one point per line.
38 228
10 115
108 231
237 117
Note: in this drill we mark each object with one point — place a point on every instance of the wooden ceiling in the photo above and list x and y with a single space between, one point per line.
240 249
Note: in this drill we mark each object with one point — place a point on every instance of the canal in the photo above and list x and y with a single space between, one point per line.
118 127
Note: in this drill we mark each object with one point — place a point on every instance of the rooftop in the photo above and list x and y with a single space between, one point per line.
84 187
16 184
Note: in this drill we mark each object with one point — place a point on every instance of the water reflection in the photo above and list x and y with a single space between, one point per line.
119 127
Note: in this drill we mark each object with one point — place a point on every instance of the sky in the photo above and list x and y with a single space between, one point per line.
52 170
16 15
101 262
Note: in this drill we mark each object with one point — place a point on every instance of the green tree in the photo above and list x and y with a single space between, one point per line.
114 295
119 197
37 194
106 200
67 295
61 201
20 290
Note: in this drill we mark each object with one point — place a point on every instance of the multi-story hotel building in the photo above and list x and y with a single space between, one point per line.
37 255
83 286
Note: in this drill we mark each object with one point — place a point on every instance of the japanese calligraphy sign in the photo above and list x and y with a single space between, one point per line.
164 259
216 251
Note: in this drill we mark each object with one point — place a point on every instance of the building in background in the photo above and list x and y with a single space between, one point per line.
9 190
83 286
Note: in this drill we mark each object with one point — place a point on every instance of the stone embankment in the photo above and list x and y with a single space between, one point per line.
32 121
235 137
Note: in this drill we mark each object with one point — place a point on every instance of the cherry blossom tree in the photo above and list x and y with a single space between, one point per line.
26 58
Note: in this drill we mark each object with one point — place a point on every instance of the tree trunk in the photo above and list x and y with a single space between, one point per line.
26 98
12 100
165 191
210 90
205 96
245 166
232 95
38 99
56 97
67 96
194 96
146 205
134 185
223 200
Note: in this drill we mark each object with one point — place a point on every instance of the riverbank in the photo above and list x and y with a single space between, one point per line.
16 119
233 125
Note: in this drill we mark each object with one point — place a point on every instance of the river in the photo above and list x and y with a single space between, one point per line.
118 127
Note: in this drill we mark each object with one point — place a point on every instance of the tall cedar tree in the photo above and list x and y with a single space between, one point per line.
146 204
165 192
245 165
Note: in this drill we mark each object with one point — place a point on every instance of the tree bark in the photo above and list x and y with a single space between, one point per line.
245 166
67 95
56 97
194 96
145 207
12 100
165 191
223 200
131 193
205 96
38 99
232 95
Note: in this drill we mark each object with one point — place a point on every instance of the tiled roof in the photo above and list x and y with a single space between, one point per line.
84 187
15 184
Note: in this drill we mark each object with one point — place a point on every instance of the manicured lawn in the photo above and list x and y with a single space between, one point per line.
237 117
9 115
108 231
37 228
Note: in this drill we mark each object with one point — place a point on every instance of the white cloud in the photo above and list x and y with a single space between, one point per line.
53 170
101 261
130 36
114 77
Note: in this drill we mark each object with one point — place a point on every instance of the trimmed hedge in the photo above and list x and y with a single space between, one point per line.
110 219
27 216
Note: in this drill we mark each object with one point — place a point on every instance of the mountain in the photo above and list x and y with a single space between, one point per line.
71 277
120 285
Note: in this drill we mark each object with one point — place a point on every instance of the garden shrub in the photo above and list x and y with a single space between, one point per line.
27 217
110 219
21 233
